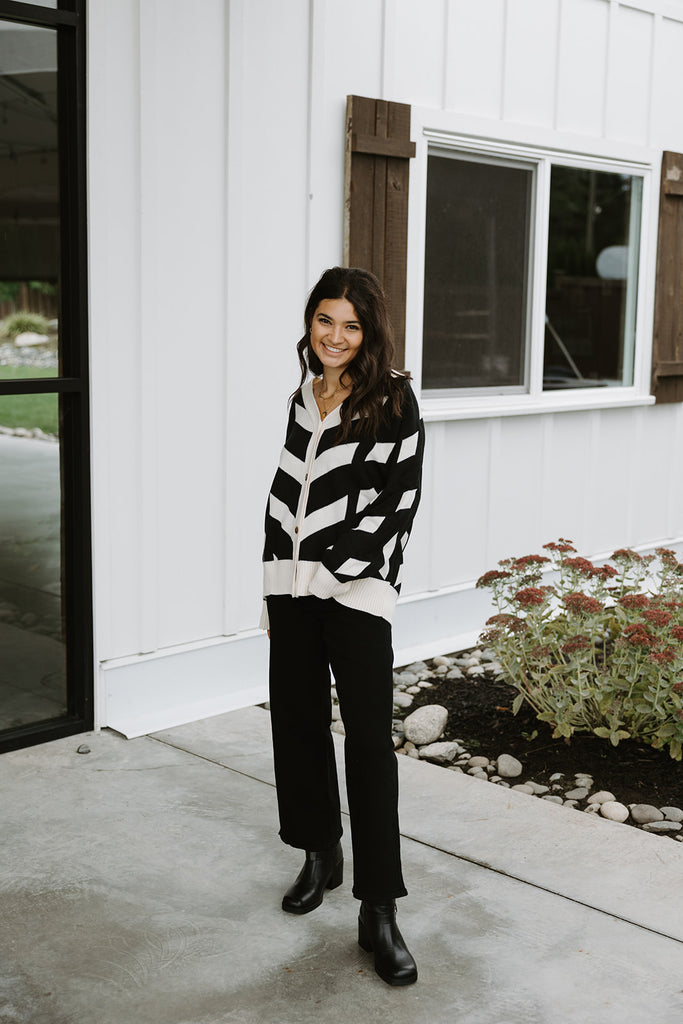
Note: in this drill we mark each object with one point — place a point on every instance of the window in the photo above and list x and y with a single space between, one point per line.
45 587
519 272
476 273
592 280
498 231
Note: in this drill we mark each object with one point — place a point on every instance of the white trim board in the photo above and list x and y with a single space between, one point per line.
159 691
153 692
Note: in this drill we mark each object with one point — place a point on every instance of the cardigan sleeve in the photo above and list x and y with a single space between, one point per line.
373 541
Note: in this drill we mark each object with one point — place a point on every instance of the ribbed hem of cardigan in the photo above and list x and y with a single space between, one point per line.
376 597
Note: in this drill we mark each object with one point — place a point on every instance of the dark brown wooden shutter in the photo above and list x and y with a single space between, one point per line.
378 152
667 351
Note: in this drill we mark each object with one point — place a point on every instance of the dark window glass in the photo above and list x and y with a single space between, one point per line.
32 652
476 271
592 278
29 202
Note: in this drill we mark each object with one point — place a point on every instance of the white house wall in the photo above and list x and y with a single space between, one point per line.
216 199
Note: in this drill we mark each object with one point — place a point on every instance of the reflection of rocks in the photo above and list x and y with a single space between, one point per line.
28 339
43 355
48 625
37 434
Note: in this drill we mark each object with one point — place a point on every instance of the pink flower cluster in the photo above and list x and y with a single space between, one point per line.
576 643
529 596
586 568
580 564
669 559
513 623
664 657
639 636
634 601
561 546
526 560
582 604
491 576
657 618
626 555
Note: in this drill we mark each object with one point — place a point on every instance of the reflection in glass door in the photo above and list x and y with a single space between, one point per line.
32 652
45 619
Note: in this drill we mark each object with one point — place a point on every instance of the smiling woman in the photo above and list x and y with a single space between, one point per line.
338 518
366 376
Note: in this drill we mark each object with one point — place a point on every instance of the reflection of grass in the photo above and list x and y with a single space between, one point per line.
29 411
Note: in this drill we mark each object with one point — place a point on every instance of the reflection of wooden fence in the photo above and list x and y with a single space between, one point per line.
32 301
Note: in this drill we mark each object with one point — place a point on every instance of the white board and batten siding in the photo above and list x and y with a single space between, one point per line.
216 199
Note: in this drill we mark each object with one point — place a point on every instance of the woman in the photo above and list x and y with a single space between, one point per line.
339 514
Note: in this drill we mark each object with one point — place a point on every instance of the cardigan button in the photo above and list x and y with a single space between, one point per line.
296 529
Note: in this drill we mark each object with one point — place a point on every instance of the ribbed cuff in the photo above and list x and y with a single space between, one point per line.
325 585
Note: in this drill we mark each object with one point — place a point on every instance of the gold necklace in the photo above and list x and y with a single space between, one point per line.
338 388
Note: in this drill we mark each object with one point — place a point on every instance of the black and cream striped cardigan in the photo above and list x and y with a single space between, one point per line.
339 515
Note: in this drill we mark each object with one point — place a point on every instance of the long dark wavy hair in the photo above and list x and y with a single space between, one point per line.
376 389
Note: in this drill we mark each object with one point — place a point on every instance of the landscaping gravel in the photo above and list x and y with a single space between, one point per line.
455 711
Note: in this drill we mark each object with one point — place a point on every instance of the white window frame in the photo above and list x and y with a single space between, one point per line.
442 130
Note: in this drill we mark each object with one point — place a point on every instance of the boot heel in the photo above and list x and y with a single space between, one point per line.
363 937
337 876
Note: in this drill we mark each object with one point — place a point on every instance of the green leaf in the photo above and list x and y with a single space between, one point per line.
562 729
602 732
517 703
620 734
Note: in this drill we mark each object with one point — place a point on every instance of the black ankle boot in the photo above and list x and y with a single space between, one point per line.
378 933
322 870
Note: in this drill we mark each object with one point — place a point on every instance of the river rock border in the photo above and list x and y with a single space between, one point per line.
419 736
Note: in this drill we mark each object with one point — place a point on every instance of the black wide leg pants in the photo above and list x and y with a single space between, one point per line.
307 637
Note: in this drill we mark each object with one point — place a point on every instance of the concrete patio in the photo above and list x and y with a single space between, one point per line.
142 882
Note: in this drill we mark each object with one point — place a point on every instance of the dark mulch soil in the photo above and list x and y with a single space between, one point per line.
480 715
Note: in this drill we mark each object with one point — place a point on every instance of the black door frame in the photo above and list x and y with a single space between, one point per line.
72 386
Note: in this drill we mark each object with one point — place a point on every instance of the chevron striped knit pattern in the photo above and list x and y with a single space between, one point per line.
339 515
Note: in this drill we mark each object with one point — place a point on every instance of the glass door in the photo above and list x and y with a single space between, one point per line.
45 591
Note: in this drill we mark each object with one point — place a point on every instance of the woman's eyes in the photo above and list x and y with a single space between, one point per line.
324 322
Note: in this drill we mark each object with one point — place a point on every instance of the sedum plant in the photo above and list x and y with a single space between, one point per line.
597 648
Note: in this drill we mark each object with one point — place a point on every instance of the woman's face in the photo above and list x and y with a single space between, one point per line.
336 333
